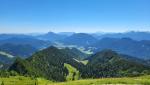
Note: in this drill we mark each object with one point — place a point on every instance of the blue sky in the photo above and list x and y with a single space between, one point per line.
27 16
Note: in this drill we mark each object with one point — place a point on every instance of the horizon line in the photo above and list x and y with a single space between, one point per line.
74 32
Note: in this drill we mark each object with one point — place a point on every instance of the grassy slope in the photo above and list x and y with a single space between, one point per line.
145 80
17 80
72 70
42 81
20 80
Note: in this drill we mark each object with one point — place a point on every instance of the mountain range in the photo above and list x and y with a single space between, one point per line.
79 39
26 41
131 34
51 36
130 43
92 55
139 49
49 63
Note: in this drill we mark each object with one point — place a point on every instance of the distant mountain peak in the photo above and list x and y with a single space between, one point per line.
82 35
51 36
80 39
51 32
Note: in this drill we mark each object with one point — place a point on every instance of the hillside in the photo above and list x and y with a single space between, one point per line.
108 63
48 63
57 64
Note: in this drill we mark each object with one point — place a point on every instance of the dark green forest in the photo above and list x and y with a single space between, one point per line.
49 64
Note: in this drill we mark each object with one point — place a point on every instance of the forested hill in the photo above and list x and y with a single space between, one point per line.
48 63
108 63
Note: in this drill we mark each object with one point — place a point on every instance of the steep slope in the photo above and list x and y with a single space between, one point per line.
139 49
48 63
80 39
108 63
